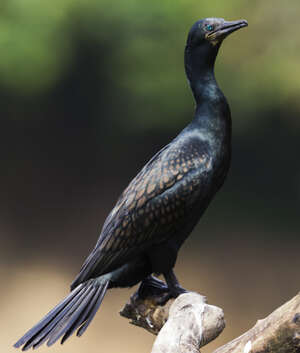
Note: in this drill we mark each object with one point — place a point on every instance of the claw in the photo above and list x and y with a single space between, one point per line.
152 287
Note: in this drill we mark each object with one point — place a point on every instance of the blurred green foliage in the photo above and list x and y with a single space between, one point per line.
140 49
92 83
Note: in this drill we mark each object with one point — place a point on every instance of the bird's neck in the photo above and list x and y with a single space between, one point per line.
211 104
199 66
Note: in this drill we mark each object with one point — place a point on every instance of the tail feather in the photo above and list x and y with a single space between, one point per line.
76 311
71 317
92 312
29 334
78 319
48 333
51 327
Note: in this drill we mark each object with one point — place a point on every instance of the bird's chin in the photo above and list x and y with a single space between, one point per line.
226 28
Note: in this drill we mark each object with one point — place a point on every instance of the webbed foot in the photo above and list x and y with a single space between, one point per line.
154 289
175 288
159 292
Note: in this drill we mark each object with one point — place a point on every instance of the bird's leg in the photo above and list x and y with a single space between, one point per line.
152 287
156 290
174 287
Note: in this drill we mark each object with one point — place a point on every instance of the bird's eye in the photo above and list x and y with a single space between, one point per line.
209 27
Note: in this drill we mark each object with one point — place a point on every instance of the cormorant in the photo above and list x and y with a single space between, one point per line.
161 205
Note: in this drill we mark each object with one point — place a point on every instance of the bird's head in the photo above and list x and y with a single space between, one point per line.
203 42
212 31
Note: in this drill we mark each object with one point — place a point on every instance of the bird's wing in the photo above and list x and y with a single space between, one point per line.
152 207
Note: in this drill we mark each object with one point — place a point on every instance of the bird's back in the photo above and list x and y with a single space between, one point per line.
162 202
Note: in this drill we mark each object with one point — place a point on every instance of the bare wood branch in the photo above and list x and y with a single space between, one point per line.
182 325
277 333
146 313
188 323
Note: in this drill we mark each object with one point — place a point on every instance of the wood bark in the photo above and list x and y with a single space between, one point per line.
277 333
188 323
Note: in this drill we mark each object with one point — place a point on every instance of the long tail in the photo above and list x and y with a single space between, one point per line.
76 311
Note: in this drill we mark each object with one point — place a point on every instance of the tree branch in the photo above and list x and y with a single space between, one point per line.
188 323
277 333
182 325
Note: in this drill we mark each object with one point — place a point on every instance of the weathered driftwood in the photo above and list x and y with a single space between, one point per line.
182 325
188 323
277 333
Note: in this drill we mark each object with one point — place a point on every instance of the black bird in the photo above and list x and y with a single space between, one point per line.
161 205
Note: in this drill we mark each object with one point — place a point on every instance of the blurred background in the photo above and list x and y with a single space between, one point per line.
89 91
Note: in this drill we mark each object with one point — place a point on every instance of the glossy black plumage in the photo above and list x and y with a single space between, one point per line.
154 207
162 204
